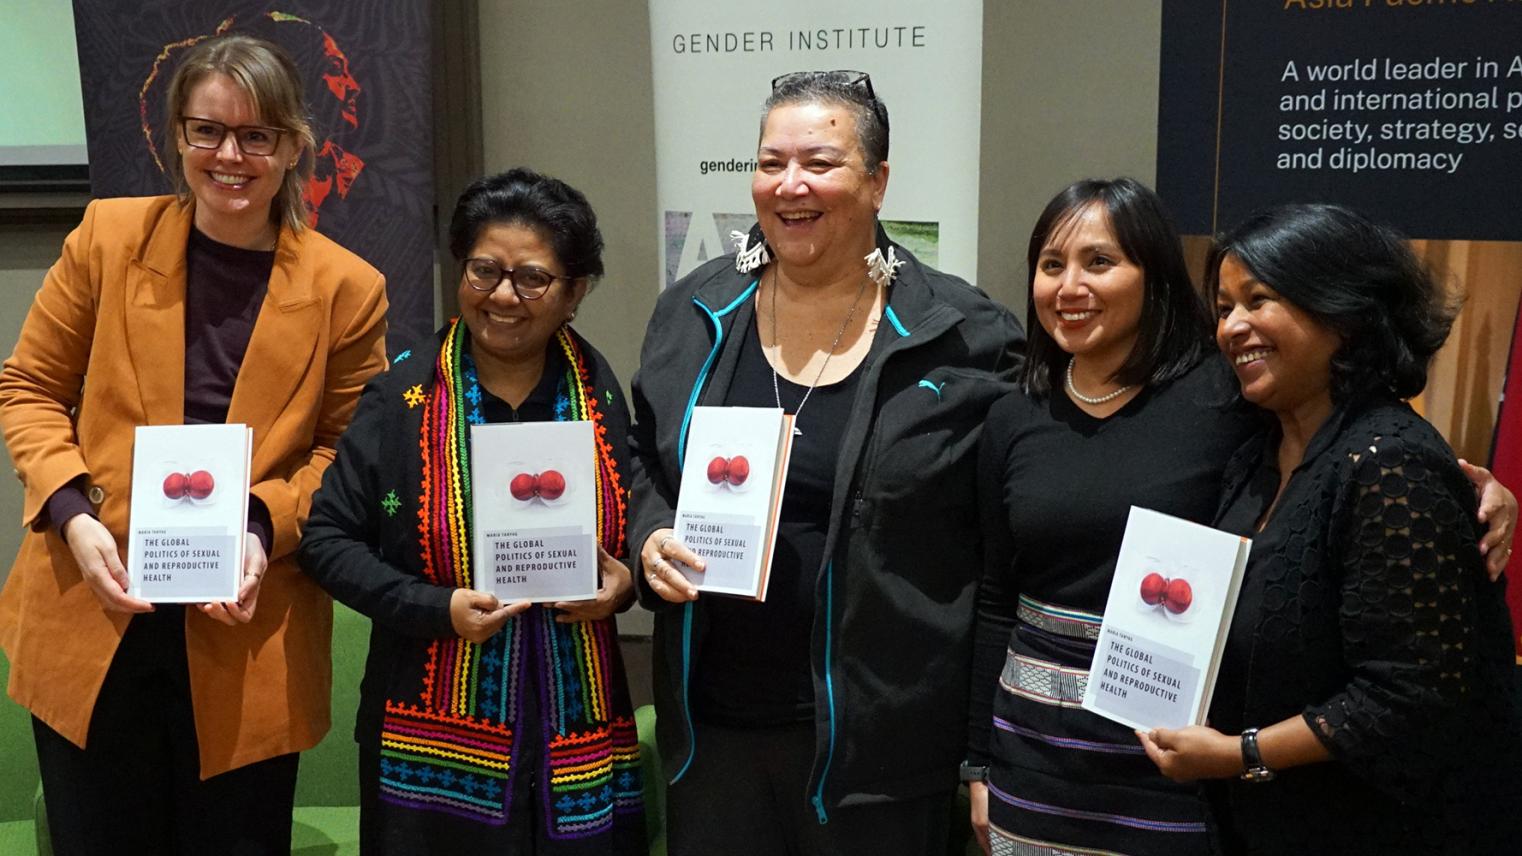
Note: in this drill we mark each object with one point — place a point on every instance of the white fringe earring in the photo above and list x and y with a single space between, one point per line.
748 259
882 270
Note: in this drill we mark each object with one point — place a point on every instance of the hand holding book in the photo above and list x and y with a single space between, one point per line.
660 550
100 565
241 611
614 594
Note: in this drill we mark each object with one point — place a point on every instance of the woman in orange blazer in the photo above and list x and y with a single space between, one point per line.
181 724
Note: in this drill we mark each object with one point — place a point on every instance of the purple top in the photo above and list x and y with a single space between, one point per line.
224 288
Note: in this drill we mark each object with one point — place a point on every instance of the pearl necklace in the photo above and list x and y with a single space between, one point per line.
1098 399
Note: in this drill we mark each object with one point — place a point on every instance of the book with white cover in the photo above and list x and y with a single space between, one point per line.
189 514
1165 623
534 510
731 496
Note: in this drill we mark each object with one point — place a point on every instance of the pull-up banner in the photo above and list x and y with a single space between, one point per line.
365 66
713 66
1410 110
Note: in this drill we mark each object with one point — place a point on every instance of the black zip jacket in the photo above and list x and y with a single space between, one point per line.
892 637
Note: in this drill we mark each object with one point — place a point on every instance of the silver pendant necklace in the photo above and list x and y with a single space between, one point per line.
839 334
1098 399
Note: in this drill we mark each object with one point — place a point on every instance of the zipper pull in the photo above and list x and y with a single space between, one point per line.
856 503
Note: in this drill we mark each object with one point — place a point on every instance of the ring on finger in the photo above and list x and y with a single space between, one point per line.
660 546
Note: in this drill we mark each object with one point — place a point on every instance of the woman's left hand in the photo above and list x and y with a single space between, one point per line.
1498 510
255 563
1196 752
617 592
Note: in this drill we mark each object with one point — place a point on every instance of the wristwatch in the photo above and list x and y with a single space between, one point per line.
1256 771
970 773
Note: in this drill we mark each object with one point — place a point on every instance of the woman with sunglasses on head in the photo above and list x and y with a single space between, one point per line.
1122 404
827 719
164 728
485 726
1366 701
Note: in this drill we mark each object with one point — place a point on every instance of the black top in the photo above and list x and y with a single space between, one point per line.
1055 489
224 288
1366 610
540 404
1056 486
753 668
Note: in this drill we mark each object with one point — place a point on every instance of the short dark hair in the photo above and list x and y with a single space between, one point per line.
1356 277
837 88
1175 323
522 196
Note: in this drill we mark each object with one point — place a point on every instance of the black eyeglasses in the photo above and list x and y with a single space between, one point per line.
529 283
209 134
843 77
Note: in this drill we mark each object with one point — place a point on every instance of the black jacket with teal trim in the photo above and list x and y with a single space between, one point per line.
892 637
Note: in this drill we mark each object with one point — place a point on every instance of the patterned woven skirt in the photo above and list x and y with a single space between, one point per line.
1063 780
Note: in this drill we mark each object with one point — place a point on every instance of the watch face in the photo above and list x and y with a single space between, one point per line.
1258 774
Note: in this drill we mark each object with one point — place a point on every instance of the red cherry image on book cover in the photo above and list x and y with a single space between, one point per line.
523 487
739 470
176 485
1180 595
1154 588
201 484
718 470
551 484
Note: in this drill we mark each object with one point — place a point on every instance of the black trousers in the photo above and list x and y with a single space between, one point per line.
744 795
136 787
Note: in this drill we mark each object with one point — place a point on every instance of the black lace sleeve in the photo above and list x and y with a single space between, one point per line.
997 592
1408 615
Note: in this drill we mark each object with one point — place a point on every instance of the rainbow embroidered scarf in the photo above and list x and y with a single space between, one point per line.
451 747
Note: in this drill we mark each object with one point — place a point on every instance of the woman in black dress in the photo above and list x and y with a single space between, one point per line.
1121 405
1369 645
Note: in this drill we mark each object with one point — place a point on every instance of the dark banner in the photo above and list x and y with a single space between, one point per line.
1506 460
1408 110
365 65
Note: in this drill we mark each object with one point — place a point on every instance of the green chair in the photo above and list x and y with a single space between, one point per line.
326 819
655 780
20 787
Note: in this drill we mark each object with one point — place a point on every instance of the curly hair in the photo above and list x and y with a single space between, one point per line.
1356 277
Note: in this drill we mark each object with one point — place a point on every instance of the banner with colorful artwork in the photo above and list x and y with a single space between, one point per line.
365 65
713 66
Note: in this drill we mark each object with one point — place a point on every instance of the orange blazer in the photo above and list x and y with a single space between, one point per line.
103 351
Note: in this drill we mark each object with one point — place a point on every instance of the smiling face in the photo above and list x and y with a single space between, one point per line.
233 191
1282 355
1087 293
503 327
814 198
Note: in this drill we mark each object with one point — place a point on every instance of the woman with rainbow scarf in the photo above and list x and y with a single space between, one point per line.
483 726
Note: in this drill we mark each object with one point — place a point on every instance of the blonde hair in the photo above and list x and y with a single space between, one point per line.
267 74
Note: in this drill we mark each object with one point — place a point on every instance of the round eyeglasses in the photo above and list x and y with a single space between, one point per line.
528 282
209 134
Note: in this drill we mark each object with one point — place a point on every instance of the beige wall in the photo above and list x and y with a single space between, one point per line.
26 252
